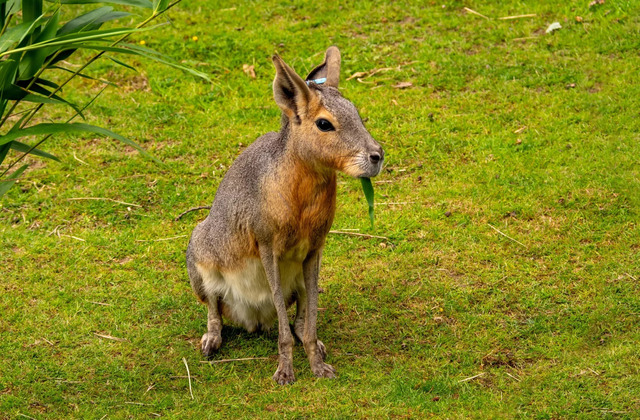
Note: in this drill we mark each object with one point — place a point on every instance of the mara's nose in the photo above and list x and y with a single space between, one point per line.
377 156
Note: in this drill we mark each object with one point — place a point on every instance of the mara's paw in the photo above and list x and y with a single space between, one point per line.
210 343
323 370
284 375
322 350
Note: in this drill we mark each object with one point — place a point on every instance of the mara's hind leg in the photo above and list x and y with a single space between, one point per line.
212 339
298 324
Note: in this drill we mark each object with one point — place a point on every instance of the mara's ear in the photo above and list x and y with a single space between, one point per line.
289 90
330 69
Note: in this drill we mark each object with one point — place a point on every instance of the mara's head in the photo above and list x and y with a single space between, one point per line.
325 128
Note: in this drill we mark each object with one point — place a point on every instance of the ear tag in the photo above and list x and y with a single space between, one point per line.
317 81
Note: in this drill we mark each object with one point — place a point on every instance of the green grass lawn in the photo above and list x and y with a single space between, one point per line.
508 286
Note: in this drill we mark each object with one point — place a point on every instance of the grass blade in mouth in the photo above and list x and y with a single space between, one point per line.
367 187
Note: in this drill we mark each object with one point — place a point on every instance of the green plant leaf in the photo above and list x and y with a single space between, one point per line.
367 188
14 35
122 64
156 56
85 76
54 128
46 92
92 20
24 148
73 38
145 4
4 149
7 9
160 5
31 97
7 183
45 82
144 52
8 70
32 61
31 9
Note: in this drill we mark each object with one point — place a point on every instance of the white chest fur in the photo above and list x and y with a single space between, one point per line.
246 292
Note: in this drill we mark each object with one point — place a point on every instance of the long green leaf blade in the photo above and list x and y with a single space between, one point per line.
68 39
13 35
123 64
54 128
91 20
367 188
85 76
24 148
145 4
7 183
31 9
32 61
4 149
8 70
156 56
31 97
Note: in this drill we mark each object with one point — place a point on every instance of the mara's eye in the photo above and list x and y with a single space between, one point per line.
324 125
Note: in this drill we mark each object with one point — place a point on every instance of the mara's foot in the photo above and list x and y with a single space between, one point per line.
210 343
284 375
323 370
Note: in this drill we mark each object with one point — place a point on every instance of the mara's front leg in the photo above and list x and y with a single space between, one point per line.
284 375
314 348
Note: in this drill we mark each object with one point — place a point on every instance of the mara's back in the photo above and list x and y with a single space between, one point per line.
236 207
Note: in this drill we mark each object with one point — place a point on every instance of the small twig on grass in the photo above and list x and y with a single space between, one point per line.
633 278
506 236
79 160
178 217
161 239
606 410
472 377
72 237
419 131
189 376
520 130
525 38
362 235
24 415
474 12
64 381
56 231
518 16
109 337
104 199
511 376
232 360
417 290
99 303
